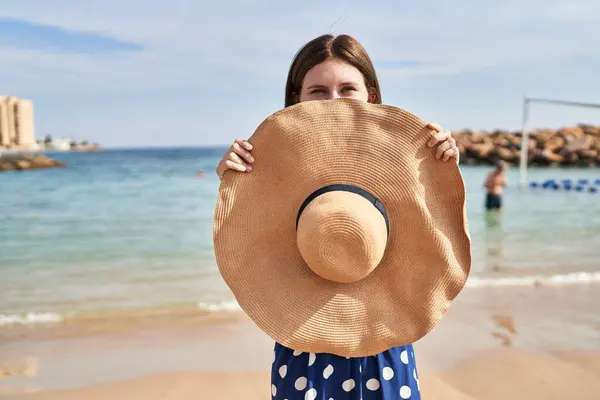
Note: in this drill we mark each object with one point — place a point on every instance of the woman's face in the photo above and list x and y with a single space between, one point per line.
334 79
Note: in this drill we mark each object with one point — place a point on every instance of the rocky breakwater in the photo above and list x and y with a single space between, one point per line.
16 162
569 146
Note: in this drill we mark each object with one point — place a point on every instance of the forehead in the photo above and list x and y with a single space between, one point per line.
332 72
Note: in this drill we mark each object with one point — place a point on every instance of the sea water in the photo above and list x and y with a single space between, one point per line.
131 230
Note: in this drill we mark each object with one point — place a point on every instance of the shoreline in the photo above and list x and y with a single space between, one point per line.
524 329
45 323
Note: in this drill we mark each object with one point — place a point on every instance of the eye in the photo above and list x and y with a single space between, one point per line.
347 88
320 90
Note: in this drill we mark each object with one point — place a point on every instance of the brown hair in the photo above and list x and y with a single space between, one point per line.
326 47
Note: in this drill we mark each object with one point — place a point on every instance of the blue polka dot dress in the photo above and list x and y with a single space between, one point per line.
391 374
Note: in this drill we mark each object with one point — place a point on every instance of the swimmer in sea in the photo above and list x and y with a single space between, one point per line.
495 181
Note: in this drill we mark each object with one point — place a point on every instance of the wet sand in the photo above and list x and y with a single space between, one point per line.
494 343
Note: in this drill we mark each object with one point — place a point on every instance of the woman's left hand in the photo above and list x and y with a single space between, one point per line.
447 148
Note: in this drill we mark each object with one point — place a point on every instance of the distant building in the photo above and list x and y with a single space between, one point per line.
59 144
16 122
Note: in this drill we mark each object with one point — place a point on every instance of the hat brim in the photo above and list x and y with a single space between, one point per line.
381 149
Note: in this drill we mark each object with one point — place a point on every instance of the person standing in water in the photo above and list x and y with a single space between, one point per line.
494 183
330 67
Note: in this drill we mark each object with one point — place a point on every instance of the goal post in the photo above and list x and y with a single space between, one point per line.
524 156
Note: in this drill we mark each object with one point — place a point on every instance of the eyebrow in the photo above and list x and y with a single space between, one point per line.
323 86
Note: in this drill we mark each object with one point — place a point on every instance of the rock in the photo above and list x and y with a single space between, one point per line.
590 129
12 162
555 143
571 133
576 145
508 155
588 155
547 157
582 143
23 164
482 150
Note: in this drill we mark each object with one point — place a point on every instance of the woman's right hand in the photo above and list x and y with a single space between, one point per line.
237 158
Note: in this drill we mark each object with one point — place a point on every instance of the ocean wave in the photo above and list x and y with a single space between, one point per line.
550 280
230 305
33 318
30 318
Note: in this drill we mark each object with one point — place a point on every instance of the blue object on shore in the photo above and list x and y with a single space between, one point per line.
548 183
581 185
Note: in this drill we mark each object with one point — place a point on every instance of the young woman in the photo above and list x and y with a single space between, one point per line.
330 67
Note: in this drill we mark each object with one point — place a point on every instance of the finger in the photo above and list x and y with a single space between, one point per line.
244 143
451 153
236 166
237 148
226 164
438 137
434 126
235 158
442 148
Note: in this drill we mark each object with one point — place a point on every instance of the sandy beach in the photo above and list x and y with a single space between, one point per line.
534 342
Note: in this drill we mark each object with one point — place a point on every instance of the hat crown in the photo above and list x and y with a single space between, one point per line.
342 236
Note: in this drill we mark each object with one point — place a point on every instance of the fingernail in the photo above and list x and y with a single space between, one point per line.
249 168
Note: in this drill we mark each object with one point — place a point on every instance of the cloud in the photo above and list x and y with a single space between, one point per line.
190 43
22 34
197 57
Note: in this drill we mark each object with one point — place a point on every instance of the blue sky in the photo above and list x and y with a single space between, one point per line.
191 72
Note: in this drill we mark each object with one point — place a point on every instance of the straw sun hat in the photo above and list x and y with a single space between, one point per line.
348 236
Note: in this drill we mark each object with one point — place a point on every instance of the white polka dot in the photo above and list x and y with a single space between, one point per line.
405 392
283 371
297 353
273 390
404 357
360 369
372 384
348 385
311 394
328 371
415 375
273 355
311 358
387 373
301 383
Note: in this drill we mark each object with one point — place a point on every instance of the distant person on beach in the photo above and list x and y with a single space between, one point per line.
494 183
330 67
